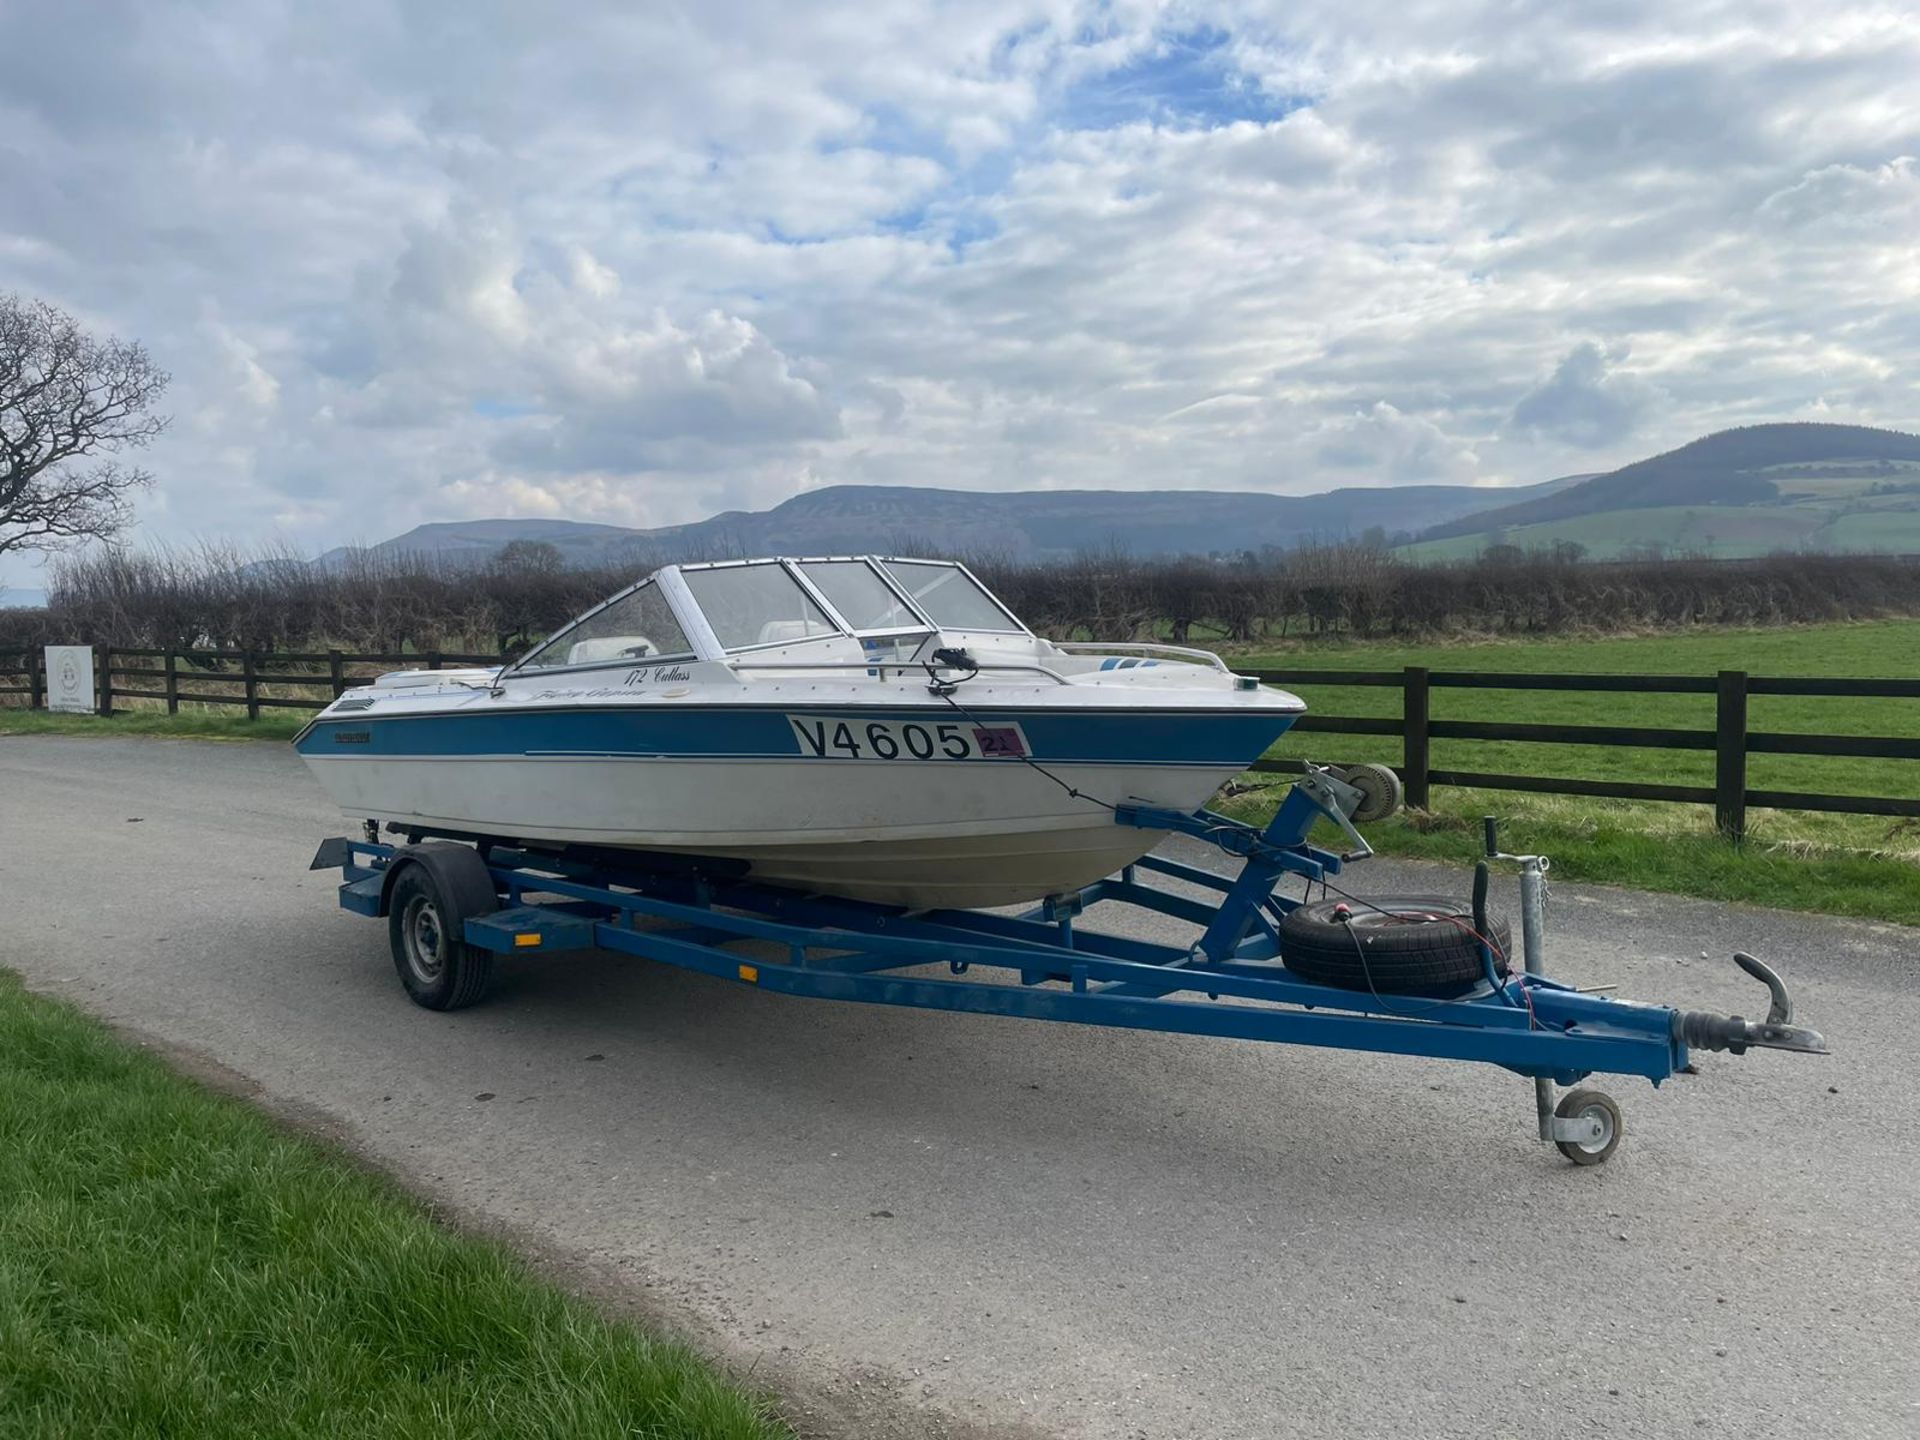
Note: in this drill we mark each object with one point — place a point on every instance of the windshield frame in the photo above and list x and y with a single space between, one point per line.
721 650
692 652
877 568
1014 626
705 645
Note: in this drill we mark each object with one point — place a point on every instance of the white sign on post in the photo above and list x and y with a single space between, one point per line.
70 678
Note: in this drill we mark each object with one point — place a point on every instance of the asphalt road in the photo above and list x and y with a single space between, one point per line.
922 1223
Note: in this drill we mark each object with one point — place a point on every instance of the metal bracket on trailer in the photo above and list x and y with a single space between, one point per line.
1230 982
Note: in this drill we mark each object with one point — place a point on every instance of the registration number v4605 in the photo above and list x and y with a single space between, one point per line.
832 737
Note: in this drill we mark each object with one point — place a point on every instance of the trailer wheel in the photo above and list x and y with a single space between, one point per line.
1599 1108
438 968
1388 944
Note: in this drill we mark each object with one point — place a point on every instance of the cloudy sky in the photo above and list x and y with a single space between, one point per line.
639 262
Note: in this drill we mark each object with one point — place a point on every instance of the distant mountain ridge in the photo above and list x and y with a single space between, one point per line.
1023 524
579 542
1748 466
1746 491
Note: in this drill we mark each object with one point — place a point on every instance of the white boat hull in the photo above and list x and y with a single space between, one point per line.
948 768
905 833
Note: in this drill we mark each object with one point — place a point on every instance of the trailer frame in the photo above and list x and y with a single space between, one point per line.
491 897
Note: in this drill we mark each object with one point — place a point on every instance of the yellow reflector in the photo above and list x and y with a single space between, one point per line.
750 973
524 941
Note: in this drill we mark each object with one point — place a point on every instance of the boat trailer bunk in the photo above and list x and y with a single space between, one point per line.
453 902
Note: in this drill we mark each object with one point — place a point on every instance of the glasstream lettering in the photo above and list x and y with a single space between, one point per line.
837 737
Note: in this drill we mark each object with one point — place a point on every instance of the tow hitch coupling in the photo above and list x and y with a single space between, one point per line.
1702 1030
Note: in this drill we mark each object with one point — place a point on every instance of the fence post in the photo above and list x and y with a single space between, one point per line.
173 685
337 673
433 660
252 678
36 679
1730 755
103 682
1416 759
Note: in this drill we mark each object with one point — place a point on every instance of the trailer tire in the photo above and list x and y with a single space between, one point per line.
1389 944
425 918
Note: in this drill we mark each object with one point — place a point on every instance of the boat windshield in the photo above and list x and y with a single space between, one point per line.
761 604
950 597
864 600
637 626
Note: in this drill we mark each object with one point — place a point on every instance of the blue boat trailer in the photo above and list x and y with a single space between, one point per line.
456 901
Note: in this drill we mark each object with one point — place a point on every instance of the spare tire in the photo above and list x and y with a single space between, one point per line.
1391 944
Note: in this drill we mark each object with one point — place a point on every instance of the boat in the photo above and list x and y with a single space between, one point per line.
867 727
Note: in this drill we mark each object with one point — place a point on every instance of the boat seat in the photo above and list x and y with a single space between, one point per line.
778 630
610 647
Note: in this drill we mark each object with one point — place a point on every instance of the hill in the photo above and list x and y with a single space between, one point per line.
479 540
1021 525
1742 491
1719 532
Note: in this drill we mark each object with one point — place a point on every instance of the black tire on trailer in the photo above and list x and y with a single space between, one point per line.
1392 944
428 906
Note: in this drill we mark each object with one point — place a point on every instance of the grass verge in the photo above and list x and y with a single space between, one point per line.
171 1264
187 725
1671 848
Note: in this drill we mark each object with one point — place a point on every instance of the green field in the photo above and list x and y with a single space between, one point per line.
1894 531
1728 532
1858 865
173 1265
1871 505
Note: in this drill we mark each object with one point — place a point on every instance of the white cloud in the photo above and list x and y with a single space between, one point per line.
1586 402
413 262
1382 443
1847 202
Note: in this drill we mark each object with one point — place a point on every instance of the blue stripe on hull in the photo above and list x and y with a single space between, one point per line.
1233 739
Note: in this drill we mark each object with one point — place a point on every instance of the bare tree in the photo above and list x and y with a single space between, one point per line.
67 401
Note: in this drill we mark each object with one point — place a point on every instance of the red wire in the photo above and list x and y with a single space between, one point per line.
1425 916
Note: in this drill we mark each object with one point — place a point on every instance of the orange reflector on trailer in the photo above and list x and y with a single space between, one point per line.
526 940
750 974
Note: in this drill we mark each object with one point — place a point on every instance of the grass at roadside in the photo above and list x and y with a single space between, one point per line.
187 725
171 1264
1671 848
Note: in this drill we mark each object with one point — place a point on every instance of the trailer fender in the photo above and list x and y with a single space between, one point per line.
459 872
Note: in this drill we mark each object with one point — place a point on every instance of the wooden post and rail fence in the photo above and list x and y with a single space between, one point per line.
222 677
1731 740
245 677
